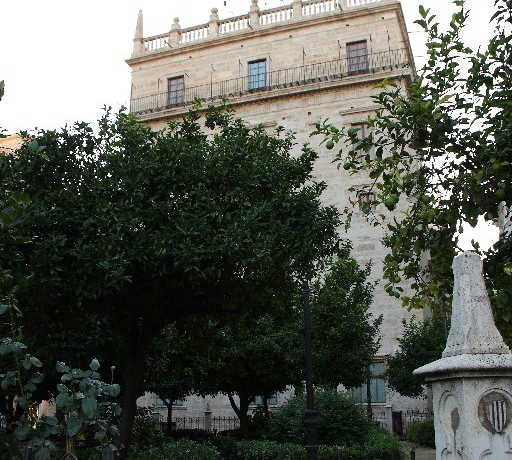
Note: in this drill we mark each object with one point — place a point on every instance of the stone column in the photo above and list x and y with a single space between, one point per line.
388 410
297 9
138 38
213 25
175 33
254 14
472 382
208 418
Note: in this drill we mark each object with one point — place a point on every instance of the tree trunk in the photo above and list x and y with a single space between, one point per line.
241 411
133 377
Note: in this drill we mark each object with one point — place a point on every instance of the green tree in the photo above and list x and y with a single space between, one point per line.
443 148
346 335
174 362
421 343
252 357
139 229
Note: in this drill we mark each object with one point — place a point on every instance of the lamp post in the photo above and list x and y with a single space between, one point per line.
311 415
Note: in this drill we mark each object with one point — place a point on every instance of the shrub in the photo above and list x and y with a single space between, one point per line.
179 450
9 446
191 434
268 450
341 422
146 431
422 433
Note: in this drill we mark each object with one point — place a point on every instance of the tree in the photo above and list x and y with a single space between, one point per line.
139 229
174 362
260 356
421 343
252 356
346 335
442 154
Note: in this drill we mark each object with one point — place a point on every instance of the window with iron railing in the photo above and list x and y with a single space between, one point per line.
176 90
258 74
357 54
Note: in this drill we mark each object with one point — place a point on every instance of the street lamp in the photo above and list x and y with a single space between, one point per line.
311 415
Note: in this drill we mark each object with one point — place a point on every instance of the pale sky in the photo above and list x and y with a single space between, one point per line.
62 60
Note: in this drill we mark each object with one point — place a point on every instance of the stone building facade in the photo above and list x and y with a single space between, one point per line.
290 66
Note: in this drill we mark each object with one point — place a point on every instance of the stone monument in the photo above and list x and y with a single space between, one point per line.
472 382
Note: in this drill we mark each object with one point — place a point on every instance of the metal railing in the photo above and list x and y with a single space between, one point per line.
285 78
214 424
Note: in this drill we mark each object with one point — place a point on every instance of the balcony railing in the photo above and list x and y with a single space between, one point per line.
334 70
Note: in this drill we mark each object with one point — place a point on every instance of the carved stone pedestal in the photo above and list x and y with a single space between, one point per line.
472 383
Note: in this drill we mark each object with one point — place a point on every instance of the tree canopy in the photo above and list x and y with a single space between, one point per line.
136 229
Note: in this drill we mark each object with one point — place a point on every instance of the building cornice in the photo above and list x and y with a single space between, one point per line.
389 5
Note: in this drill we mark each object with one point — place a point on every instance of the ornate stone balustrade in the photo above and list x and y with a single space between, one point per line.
276 15
314 7
296 11
231 25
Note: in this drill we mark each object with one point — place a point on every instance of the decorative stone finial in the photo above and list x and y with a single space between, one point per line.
215 15
138 37
139 28
473 330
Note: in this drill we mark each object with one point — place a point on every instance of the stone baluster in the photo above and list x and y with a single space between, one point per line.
213 25
297 9
343 4
254 14
138 38
175 33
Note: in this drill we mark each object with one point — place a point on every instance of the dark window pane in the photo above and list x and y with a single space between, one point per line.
176 90
357 54
258 74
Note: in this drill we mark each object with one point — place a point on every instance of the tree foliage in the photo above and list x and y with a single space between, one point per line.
443 148
421 343
346 335
131 229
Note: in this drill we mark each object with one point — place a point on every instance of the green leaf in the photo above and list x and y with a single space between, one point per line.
94 365
73 426
89 407
35 362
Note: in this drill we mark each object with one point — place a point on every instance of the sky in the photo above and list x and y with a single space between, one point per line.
63 60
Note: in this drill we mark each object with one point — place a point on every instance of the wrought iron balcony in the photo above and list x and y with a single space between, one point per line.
328 71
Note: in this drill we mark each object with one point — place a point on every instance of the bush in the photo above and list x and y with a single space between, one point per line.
341 421
179 450
382 446
422 433
9 446
192 435
146 431
268 450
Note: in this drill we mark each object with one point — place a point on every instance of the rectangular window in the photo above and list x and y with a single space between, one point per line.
272 401
357 54
159 403
377 386
176 87
258 74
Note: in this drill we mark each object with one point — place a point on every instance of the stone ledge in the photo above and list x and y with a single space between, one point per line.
468 363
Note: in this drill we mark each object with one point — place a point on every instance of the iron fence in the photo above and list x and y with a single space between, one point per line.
285 78
415 415
212 424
